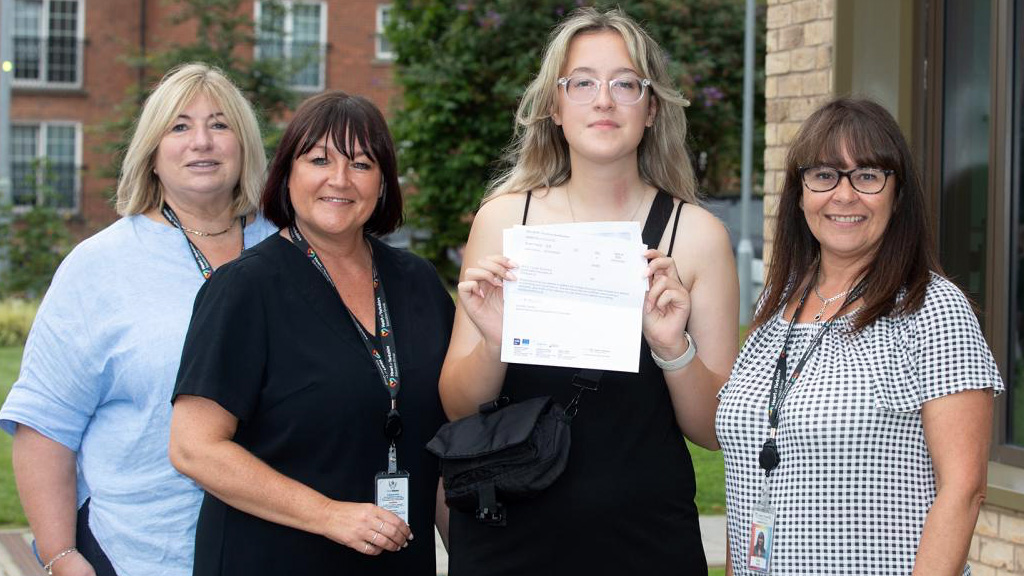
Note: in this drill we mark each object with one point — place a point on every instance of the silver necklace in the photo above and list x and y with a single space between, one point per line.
568 198
826 301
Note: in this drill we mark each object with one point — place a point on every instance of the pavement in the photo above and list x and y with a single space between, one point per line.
17 559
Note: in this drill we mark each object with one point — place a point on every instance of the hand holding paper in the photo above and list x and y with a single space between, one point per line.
666 308
481 295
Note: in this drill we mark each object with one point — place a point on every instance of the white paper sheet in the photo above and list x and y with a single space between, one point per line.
578 297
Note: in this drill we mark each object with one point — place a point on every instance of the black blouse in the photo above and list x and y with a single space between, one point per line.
271 342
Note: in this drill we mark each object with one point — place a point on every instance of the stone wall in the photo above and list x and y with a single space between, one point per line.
798 79
998 545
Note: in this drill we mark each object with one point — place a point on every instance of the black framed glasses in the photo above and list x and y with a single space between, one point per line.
826 178
583 89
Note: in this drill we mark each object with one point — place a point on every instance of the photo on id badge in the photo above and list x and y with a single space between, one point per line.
759 550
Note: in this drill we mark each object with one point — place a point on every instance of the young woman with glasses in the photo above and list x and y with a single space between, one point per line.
601 137
856 422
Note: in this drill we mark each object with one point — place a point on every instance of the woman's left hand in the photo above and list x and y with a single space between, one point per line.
666 307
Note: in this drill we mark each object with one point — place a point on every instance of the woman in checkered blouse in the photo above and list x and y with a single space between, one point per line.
883 435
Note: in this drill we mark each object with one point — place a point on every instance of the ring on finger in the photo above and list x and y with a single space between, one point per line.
366 548
375 534
381 527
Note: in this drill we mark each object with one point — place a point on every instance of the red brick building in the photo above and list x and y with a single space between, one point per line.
70 74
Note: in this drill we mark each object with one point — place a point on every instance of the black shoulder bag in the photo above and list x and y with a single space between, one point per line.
514 450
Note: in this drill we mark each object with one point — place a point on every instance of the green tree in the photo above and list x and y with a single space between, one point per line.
33 239
462 67
225 37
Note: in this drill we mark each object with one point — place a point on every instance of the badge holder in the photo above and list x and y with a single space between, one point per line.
391 488
762 533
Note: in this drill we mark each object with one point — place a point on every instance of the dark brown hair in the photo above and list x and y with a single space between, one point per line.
347 119
905 257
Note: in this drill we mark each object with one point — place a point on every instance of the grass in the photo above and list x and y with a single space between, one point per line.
10 506
709 468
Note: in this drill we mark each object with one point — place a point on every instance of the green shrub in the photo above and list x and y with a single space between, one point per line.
34 239
16 317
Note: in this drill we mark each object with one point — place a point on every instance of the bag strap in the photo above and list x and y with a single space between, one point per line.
657 219
654 228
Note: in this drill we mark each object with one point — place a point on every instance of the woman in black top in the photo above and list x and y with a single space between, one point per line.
308 382
602 137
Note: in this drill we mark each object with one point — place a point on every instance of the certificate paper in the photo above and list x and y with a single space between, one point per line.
578 297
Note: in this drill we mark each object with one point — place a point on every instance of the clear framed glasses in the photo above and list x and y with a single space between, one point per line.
583 89
826 178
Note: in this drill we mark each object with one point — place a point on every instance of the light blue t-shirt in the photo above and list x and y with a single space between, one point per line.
97 376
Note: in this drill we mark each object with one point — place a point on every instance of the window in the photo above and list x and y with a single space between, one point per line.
383 49
1015 370
48 42
45 161
297 33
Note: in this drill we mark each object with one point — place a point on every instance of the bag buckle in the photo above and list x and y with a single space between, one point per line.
587 379
494 405
490 511
495 516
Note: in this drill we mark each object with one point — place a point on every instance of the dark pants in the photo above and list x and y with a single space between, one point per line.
88 547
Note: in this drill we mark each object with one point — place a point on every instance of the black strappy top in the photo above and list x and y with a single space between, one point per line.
624 504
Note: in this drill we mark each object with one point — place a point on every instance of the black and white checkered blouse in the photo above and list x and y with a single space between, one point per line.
855 481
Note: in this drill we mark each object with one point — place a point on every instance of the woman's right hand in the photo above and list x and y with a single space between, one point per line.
366 528
481 295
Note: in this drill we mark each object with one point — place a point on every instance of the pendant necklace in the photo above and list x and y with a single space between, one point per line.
826 301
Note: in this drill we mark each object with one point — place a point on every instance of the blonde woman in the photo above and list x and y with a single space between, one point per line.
601 137
90 412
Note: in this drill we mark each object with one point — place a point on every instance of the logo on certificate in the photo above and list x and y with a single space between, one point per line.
515 341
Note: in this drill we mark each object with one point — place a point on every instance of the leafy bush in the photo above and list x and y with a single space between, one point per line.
462 67
16 316
33 240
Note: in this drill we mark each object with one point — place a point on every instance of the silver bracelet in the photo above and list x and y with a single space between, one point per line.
49 565
681 362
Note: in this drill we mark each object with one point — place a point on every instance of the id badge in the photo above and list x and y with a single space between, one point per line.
392 493
762 531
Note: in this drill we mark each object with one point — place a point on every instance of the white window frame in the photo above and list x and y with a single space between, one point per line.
43 126
378 39
44 62
288 39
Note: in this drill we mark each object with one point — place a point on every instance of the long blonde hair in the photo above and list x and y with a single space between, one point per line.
539 153
139 189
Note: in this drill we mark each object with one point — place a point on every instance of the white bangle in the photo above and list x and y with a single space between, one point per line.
681 362
49 565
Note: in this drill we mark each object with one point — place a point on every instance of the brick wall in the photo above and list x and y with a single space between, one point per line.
998 545
798 79
112 34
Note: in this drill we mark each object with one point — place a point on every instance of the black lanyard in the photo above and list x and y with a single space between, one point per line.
769 457
204 265
386 363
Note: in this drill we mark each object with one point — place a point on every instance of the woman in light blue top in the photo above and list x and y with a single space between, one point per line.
90 411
